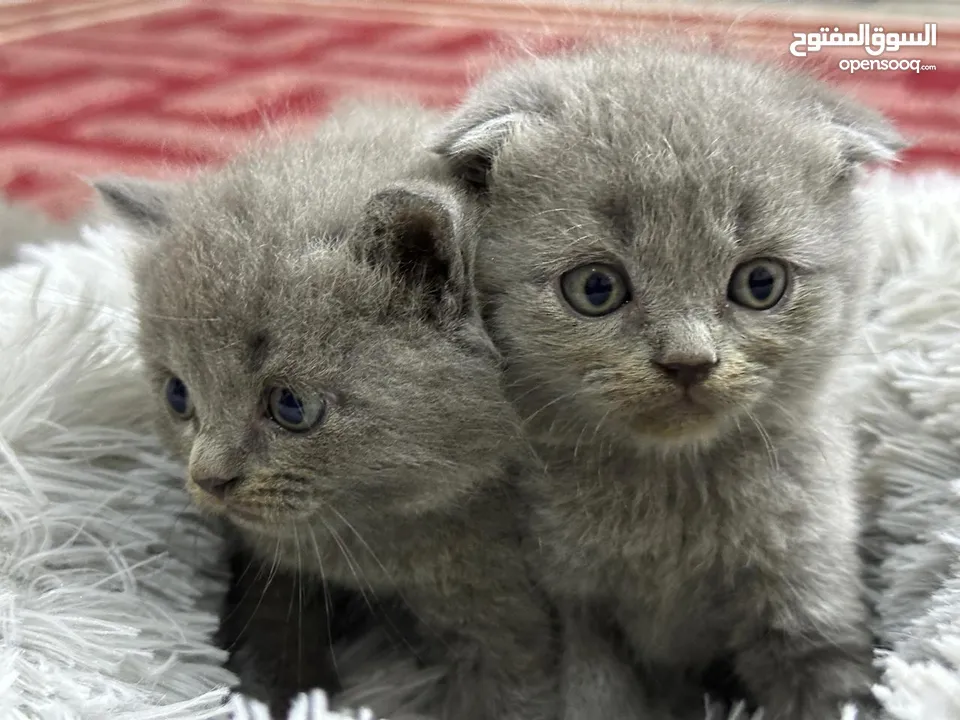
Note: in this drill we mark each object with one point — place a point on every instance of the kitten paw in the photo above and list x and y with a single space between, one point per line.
812 685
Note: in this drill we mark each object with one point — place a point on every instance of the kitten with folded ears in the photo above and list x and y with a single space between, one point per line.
672 260
308 324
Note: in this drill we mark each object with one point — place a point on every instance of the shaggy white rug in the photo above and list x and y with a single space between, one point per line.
109 587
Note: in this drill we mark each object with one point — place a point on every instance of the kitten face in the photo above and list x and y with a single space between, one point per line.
332 372
672 241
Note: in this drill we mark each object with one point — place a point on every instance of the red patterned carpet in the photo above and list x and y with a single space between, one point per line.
156 87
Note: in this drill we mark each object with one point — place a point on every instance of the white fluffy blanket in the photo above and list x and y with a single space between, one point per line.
109 587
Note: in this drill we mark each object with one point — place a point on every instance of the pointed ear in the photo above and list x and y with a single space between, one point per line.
415 232
141 204
472 139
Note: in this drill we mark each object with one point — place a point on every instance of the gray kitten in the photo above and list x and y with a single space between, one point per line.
308 323
673 260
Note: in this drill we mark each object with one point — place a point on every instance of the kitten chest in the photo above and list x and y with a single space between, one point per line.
659 549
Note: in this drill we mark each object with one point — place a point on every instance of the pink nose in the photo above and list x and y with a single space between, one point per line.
214 484
687 374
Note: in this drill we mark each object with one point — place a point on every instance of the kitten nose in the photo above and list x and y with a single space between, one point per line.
214 484
687 374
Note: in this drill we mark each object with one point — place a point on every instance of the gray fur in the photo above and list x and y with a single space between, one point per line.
335 266
722 527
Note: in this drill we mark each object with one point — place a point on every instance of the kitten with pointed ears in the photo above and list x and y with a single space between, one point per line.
672 260
308 324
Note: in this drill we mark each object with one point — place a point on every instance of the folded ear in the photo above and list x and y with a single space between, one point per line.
868 141
508 102
141 204
864 135
416 232
472 139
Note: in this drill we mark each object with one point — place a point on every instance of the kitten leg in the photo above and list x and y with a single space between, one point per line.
595 681
797 678
279 640
500 682
816 653
503 655
805 647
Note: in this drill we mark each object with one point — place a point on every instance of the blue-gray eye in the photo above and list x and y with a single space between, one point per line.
178 398
594 290
295 412
758 284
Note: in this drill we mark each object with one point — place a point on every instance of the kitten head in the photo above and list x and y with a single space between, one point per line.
672 242
314 359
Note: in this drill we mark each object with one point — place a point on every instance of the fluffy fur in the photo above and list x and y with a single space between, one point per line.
111 580
320 268
22 225
701 452
80 647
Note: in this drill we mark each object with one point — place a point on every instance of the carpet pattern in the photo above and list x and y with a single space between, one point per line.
159 87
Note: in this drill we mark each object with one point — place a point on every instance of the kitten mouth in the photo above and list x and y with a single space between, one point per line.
265 520
680 415
688 412
243 515
695 399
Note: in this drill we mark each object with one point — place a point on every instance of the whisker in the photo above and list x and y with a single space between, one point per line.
355 571
600 424
396 587
238 606
771 451
326 601
560 398
363 542
298 590
263 593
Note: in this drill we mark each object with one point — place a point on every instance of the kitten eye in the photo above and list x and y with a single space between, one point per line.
294 412
178 398
758 284
594 290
